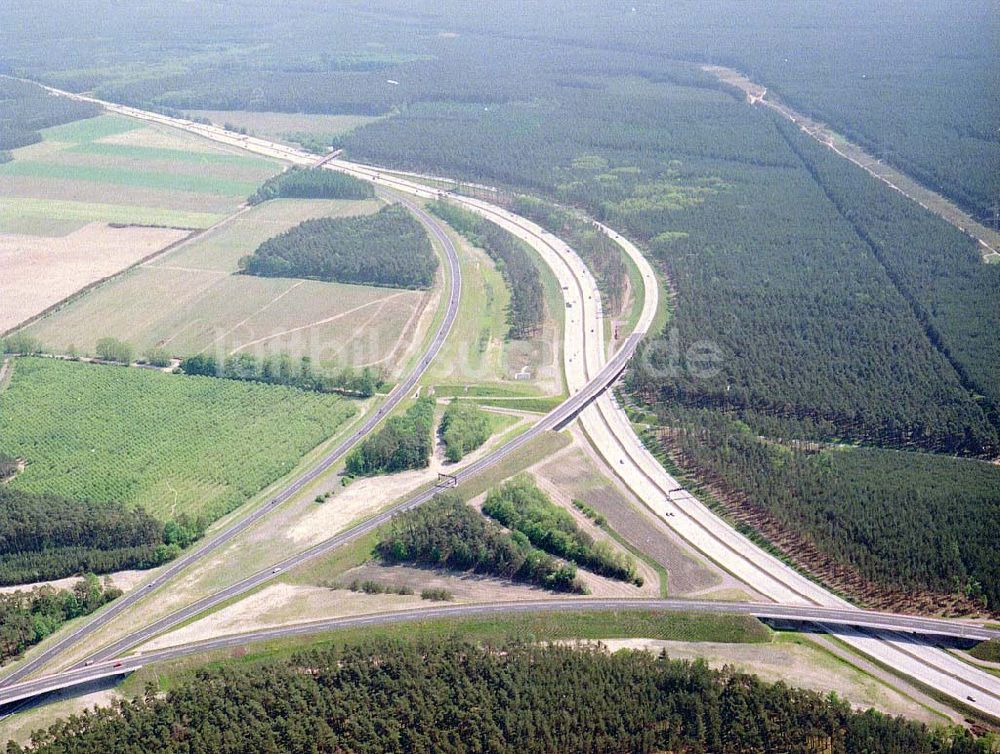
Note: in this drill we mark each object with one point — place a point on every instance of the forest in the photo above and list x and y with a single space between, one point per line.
44 537
389 248
312 183
446 695
27 617
26 108
447 533
913 521
527 299
937 268
403 442
521 506
283 370
464 427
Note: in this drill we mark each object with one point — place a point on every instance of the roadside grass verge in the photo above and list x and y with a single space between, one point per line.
542 627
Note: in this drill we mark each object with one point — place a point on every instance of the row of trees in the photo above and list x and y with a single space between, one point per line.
389 248
44 537
464 427
518 504
28 617
527 298
283 370
312 183
448 695
404 442
450 534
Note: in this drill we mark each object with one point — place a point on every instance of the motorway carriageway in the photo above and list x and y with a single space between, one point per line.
122 665
612 435
398 394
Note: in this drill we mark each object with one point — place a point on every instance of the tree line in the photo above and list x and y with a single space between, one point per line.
283 370
404 442
312 183
449 695
464 427
447 533
901 519
27 617
520 505
527 297
390 248
26 108
44 537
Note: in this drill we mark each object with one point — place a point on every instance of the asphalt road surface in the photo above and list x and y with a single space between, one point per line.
583 359
833 618
402 391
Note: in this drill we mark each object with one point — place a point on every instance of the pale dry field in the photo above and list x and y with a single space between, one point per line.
798 663
39 272
191 300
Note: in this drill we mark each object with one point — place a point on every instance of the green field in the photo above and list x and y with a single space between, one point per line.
172 444
57 217
190 300
116 169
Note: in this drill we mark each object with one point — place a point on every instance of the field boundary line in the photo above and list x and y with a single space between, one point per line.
192 236
319 322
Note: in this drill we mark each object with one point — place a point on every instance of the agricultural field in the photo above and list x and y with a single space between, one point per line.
190 300
169 443
115 169
67 264
71 205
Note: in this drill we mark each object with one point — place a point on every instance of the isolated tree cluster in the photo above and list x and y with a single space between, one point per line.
448 533
389 248
312 183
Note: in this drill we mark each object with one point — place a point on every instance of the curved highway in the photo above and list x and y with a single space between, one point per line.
613 436
399 393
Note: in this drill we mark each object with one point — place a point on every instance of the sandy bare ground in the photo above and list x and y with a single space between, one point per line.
39 272
124 580
363 497
580 473
798 664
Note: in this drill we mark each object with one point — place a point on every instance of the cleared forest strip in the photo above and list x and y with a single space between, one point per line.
989 239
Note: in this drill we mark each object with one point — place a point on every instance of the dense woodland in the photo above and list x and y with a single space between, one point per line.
26 108
27 617
519 505
464 427
901 519
527 298
283 370
403 442
446 695
938 269
450 534
44 537
389 248
312 183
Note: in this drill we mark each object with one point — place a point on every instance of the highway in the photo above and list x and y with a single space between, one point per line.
399 393
832 617
588 377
